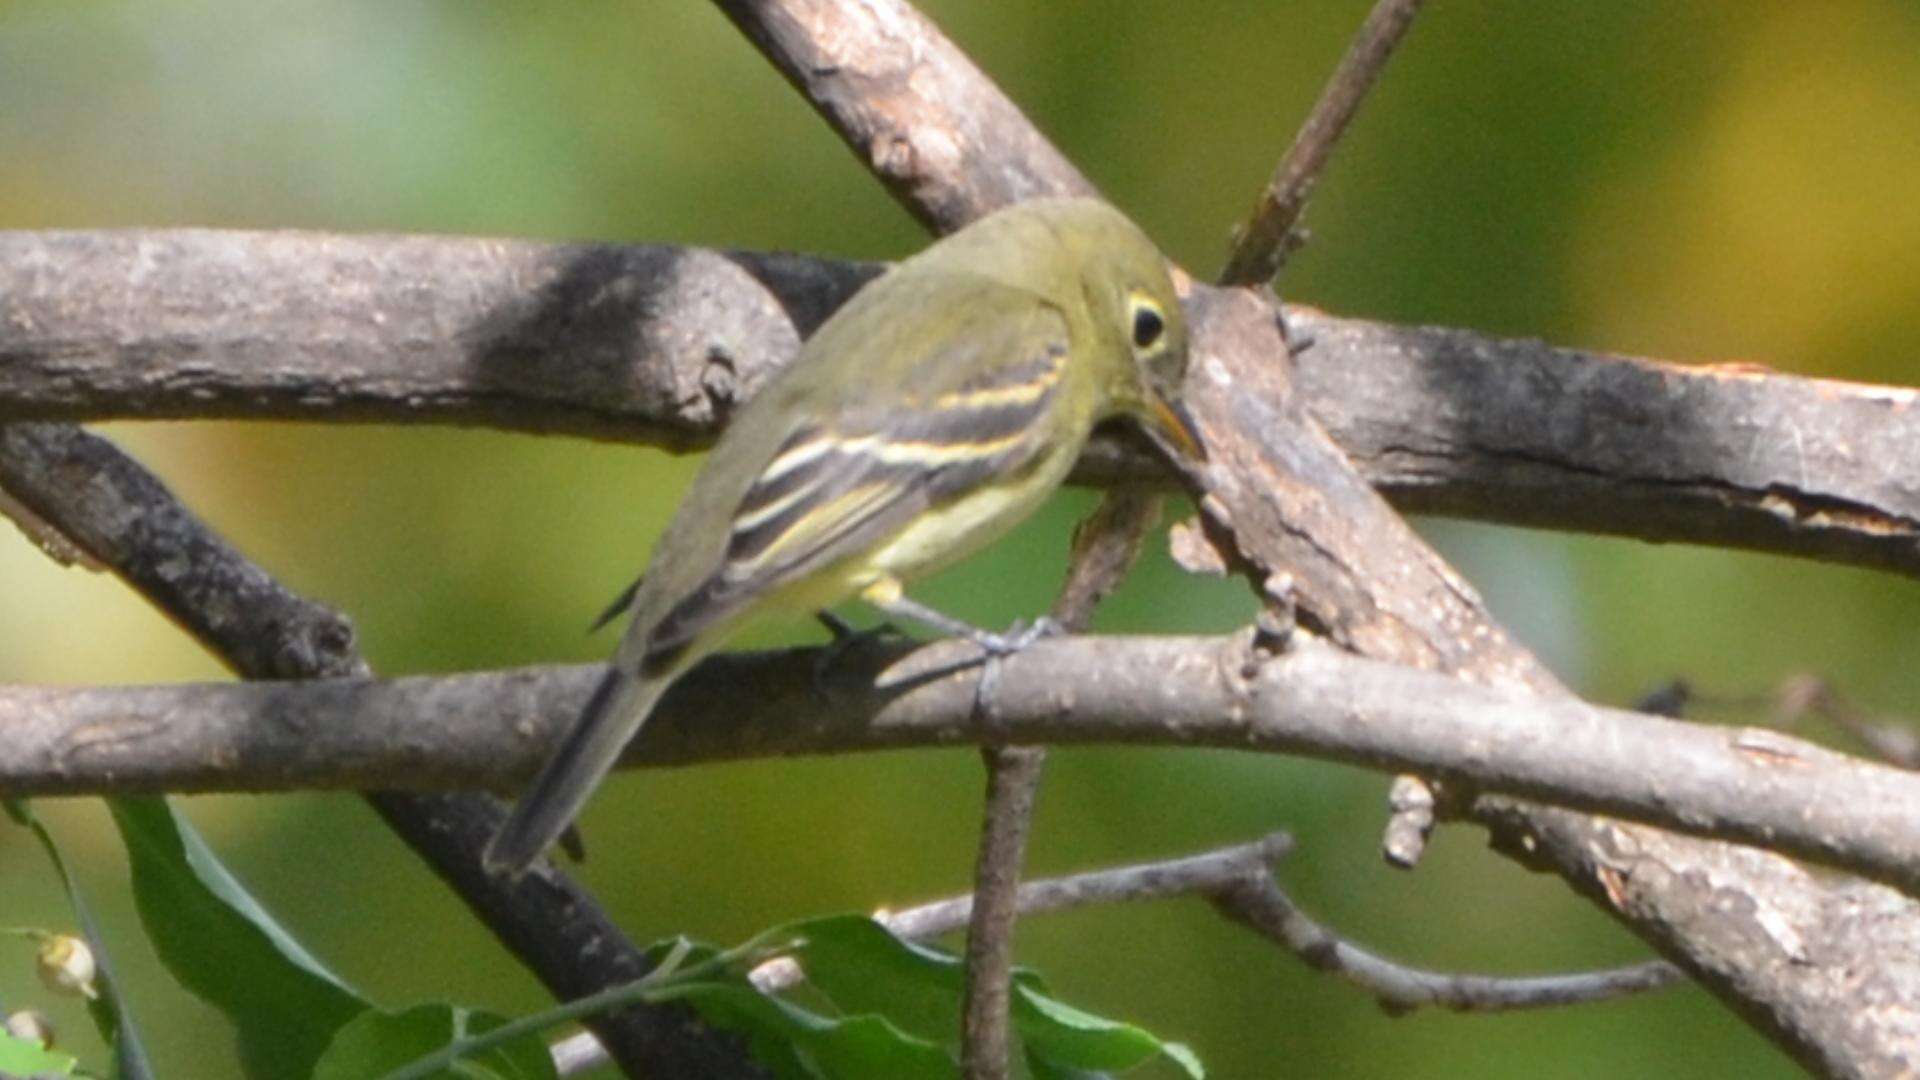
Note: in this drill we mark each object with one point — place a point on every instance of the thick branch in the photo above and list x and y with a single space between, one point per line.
910 105
1734 455
490 729
653 344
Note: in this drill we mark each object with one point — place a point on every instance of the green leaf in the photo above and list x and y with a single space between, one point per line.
109 1009
22 1057
863 968
802 1045
1074 1039
375 1043
226 949
1044 1069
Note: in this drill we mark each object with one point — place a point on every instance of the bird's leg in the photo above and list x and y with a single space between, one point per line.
886 596
1016 637
846 638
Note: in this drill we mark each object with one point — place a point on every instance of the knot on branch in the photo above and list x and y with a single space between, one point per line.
677 336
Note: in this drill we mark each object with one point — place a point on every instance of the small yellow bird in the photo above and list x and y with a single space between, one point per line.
928 416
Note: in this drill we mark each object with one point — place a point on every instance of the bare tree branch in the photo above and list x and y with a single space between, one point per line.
1189 875
122 516
1260 249
1261 246
489 729
1261 905
910 105
986 1031
652 344
1894 741
1239 882
1453 422
1105 546
1283 504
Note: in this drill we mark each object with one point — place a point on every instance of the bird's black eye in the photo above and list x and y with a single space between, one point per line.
1147 326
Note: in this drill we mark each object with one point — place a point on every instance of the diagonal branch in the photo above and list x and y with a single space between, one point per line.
1895 741
658 344
123 517
1271 233
1262 246
910 105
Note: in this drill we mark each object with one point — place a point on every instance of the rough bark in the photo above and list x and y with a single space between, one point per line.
657 345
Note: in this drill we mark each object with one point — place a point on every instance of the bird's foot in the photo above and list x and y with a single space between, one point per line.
847 638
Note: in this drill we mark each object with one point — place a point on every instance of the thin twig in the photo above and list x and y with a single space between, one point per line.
1891 741
1238 881
1188 875
109 506
1013 782
1262 245
1200 874
1105 546
1259 903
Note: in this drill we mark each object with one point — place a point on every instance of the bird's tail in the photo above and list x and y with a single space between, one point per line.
616 710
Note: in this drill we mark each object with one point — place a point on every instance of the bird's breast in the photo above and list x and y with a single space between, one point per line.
949 532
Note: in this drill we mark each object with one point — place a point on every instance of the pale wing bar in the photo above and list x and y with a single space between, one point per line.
827 494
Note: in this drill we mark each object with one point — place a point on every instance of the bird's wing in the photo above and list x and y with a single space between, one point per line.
843 481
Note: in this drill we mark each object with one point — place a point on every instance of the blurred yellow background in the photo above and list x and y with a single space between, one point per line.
1689 180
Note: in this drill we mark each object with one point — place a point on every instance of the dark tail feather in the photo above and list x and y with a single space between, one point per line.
613 714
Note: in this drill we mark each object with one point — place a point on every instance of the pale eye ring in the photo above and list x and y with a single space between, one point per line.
1147 326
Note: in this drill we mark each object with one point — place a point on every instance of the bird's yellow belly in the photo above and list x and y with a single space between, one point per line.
947 534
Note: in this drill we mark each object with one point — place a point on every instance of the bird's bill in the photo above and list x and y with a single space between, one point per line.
1170 421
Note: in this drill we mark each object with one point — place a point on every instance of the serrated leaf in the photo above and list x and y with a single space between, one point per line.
225 948
109 1009
376 1042
801 1045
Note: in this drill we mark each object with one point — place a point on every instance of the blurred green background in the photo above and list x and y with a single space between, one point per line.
1694 180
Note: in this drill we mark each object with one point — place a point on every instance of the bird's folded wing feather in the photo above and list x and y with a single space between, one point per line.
843 482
